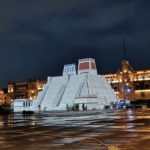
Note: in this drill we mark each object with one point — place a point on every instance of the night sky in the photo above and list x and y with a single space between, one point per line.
37 37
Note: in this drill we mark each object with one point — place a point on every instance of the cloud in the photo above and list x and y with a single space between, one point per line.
38 37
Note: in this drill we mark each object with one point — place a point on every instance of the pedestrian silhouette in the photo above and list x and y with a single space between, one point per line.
83 106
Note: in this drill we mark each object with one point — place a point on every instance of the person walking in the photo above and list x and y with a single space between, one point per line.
83 106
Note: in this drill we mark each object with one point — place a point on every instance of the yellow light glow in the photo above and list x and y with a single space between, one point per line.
115 81
117 92
142 90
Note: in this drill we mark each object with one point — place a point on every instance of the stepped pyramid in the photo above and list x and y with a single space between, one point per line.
82 86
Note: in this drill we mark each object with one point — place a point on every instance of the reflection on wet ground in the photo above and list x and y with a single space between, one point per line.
113 130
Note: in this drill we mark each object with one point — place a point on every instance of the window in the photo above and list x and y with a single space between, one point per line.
137 87
147 86
116 88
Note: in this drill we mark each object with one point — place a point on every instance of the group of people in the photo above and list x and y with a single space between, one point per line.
75 107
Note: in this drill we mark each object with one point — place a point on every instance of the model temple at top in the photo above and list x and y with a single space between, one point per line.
82 87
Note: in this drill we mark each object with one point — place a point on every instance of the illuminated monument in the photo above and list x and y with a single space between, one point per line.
130 84
84 87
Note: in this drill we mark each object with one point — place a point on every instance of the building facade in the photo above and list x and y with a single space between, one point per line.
130 84
25 90
2 97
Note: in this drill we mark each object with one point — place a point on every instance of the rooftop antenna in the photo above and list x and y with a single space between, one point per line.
124 49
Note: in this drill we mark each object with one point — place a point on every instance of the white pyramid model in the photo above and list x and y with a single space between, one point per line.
85 87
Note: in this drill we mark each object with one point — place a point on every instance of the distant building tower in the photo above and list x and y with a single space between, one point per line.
69 69
130 84
87 65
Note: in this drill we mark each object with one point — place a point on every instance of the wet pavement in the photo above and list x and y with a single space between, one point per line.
89 130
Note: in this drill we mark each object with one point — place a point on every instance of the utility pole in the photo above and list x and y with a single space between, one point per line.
124 49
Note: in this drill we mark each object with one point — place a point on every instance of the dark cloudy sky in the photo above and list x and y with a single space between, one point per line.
37 37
